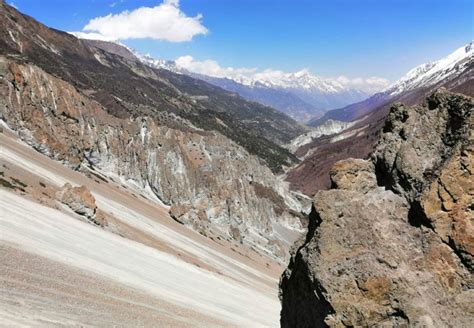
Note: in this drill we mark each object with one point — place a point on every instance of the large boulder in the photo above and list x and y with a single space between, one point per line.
397 252
80 200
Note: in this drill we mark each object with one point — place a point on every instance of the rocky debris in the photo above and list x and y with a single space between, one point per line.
398 252
178 211
329 127
194 217
207 179
80 200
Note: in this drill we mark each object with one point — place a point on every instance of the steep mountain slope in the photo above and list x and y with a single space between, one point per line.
112 47
147 91
391 244
358 141
431 74
138 268
103 115
427 76
211 183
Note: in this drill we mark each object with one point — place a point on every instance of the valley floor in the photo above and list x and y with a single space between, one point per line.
143 269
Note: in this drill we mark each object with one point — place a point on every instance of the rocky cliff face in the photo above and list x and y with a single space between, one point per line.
391 243
210 182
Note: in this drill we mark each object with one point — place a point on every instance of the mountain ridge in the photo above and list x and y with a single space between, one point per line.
260 129
427 75
301 95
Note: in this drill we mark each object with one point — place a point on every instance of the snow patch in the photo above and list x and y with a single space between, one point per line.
329 127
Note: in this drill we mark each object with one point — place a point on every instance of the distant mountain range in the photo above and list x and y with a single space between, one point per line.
301 95
425 76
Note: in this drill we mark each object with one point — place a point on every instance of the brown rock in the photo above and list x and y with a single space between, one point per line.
177 211
447 203
80 200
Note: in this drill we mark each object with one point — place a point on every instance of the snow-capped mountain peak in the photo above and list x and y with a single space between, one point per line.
431 73
302 79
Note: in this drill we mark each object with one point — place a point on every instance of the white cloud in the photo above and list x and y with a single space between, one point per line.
13 5
92 36
211 68
277 77
165 21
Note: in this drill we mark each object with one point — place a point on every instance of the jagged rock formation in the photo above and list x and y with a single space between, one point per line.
212 180
392 243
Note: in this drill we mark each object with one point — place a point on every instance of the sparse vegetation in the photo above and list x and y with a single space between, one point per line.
15 184
18 182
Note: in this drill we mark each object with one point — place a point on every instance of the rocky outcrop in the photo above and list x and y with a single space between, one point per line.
208 180
391 244
80 200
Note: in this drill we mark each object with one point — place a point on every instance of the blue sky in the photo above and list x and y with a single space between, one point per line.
331 38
